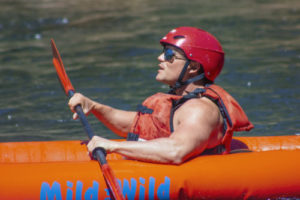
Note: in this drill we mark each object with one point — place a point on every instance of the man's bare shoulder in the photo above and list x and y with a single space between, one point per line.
202 119
201 107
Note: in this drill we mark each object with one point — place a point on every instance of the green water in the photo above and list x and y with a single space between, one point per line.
110 49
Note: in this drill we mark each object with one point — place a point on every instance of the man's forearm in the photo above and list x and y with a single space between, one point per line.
162 150
118 121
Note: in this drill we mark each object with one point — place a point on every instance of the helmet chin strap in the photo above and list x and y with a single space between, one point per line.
179 83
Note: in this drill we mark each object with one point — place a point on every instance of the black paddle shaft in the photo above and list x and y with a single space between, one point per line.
98 153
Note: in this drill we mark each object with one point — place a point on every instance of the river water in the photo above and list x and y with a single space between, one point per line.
110 48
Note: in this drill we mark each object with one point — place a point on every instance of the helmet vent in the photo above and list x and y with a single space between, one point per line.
176 37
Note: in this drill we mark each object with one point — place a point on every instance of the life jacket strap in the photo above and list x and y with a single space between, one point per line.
144 110
217 150
132 137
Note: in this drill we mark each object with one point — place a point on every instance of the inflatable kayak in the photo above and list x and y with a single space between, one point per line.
64 170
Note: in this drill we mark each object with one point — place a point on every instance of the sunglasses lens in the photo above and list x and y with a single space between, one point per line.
168 53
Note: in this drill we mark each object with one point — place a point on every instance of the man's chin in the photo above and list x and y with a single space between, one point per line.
159 79
162 81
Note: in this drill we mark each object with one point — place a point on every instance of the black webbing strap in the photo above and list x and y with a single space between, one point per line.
219 149
144 110
132 137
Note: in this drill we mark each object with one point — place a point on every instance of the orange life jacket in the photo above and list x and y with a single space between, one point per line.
155 116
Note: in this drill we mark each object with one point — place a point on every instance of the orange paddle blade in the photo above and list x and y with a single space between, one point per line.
112 182
59 66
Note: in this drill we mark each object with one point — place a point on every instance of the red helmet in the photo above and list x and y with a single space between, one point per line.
200 46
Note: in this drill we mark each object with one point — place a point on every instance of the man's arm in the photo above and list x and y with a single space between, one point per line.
118 121
197 125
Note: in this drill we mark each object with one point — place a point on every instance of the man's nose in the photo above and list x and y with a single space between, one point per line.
161 57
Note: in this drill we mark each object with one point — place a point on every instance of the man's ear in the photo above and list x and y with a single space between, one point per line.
195 68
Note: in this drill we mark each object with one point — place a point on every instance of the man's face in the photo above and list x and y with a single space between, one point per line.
171 63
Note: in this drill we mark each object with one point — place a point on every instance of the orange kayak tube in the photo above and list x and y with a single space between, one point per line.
64 170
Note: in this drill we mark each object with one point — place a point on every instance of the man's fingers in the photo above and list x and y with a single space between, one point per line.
75 116
90 145
74 101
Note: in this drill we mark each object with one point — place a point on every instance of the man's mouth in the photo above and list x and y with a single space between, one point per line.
160 67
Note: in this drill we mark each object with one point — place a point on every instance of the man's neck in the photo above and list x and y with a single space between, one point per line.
188 88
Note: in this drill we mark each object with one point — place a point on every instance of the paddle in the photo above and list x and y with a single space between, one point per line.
98 153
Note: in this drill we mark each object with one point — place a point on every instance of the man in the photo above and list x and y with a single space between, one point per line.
196 117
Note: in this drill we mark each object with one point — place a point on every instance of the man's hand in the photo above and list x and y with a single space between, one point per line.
97 141
86 104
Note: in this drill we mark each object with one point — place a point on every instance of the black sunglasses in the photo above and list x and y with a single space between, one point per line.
169 54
